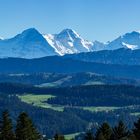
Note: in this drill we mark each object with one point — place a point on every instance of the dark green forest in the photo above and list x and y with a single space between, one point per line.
73 118
25 130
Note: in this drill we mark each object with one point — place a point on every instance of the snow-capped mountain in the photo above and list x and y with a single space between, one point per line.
98 46
68 42
129 40
32 44
29 44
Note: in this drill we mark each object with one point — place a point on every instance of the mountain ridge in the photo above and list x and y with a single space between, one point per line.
122 56
57 64
32 44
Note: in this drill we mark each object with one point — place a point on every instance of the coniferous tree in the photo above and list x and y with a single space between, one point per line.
89 136
99 136
104 132
72 139
120 131
25 129
45 138
59 137
6 127
56 136
0 125
136 130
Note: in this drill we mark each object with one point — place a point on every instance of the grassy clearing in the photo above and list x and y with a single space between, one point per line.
135 114
94 83
56 83
48 85
40 101
99 109
71 136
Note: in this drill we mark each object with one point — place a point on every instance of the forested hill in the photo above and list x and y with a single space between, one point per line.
64 80
74 100
121 56
97 95
62 65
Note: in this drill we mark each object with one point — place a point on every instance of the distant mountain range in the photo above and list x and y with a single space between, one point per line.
32 44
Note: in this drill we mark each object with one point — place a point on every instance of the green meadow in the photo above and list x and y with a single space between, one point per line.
41 101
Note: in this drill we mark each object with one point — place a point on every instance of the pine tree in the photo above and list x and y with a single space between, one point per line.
89 136
104 132
25 129
0 125
45 138
120 131
56 137
59 137
136 130
6 127
100 136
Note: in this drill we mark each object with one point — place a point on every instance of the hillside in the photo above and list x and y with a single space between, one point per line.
63 65
63 80
77 112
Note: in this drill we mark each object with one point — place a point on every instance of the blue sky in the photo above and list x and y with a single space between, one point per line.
101 20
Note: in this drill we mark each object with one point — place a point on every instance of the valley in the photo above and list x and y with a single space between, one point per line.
96 104
41 101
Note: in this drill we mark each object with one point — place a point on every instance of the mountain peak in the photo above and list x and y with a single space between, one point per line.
137 31
129 40
30 31
132 34
68 30
30 34
68 33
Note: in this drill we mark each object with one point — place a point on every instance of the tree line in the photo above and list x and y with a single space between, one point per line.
118 132
25 130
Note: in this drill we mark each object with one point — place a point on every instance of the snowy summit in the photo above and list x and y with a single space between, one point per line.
32 44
